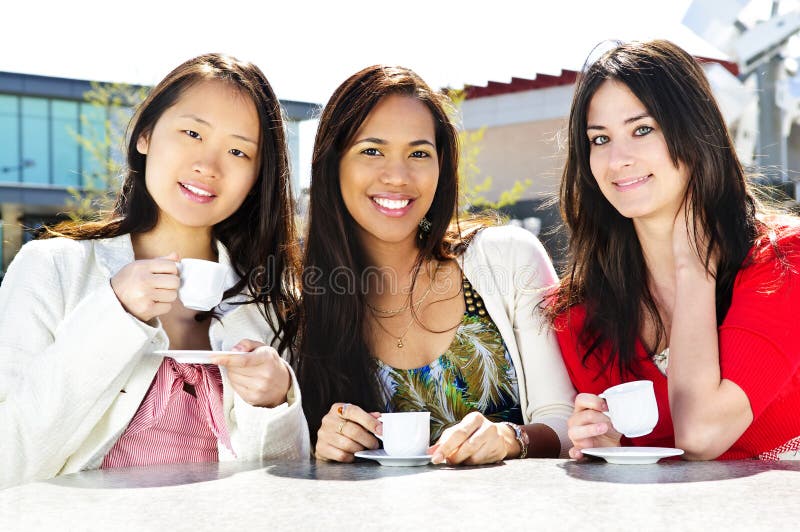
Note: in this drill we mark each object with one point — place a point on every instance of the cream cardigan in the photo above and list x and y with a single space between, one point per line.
73 369
511 271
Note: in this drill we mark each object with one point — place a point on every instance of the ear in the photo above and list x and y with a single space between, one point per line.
142 144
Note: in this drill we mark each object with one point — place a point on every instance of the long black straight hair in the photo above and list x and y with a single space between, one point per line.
334 363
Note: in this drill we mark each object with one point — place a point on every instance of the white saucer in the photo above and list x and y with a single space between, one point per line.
384 459
189 356
632 455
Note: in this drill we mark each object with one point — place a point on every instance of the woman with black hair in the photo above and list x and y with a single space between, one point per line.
407 309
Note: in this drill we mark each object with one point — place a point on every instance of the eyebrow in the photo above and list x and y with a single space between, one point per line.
627 120
208 124
375 140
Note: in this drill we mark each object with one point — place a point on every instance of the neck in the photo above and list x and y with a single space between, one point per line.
395 258
169 236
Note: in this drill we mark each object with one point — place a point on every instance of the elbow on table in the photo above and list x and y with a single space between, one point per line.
699 444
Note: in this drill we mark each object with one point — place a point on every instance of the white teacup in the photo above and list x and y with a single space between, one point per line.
202 283
632 407
406 433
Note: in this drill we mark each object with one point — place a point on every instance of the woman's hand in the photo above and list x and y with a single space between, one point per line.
689 242
475 440
345 430
589 426
261 377
147 288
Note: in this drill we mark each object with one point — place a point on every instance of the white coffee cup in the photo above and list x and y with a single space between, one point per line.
202 283
406 433
632 408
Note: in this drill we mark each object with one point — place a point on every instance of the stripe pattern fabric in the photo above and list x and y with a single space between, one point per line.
180 419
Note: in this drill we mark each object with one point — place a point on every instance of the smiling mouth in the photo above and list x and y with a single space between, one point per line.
392 204
198 191
626 183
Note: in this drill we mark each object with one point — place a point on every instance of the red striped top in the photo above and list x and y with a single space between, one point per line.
172 425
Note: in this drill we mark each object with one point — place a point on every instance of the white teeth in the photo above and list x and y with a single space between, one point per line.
623 183
390 204
198 191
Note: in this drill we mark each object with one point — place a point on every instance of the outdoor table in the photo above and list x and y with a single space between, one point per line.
532 494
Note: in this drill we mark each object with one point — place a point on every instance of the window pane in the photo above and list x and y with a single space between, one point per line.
9 138
93 130
35 141
66 151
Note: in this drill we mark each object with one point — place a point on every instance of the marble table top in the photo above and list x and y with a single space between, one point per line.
533 494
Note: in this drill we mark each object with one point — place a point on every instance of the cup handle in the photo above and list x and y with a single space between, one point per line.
607 412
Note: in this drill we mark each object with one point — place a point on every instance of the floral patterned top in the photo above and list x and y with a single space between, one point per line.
475 373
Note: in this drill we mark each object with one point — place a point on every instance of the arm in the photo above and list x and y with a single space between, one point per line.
257 432
709 413
63 358
549 390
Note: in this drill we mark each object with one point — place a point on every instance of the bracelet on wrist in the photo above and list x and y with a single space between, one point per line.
522 438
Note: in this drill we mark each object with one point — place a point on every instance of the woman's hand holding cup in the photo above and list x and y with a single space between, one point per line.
148 288
590 426
345 430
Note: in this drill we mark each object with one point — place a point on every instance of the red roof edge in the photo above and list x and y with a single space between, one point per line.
567 77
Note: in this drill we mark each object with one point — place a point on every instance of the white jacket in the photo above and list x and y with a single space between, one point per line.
511 271
73 368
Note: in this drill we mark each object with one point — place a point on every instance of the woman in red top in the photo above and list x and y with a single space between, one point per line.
676 273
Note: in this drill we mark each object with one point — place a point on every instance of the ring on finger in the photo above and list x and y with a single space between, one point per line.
341 426
343 410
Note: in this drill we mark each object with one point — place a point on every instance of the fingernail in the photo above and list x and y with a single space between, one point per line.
438 458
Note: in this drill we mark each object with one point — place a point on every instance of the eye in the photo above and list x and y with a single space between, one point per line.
371 152
237 153
419 154
642 131
599 140
193 134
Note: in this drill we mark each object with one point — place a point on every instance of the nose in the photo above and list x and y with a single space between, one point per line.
620 154
395 172
206 164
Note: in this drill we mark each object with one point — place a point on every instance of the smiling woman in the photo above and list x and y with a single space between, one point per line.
676 273
438 314
85 310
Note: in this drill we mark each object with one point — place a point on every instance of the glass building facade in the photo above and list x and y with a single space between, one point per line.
39 140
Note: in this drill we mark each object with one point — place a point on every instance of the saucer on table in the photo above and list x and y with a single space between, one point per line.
386 460
632 455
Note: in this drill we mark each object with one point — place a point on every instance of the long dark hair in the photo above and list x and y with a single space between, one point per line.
260 235
606 270
334 362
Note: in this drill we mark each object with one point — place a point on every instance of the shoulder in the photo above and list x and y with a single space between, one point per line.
52 250
508 243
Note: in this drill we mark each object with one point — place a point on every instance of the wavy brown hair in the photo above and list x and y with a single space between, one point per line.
260 235
605 270
334 361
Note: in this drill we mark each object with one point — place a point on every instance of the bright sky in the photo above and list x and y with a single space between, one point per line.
307 47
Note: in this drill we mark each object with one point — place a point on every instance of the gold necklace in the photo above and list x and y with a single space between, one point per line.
399 339
387 313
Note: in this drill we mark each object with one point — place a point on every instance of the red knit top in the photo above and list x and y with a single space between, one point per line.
759 350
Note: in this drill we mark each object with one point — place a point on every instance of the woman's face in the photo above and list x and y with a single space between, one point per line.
629 157
202 155
389 173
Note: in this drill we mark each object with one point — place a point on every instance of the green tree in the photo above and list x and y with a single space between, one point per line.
472 185
104 142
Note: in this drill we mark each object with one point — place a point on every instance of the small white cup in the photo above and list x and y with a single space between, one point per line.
406 433
632 408
202 283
